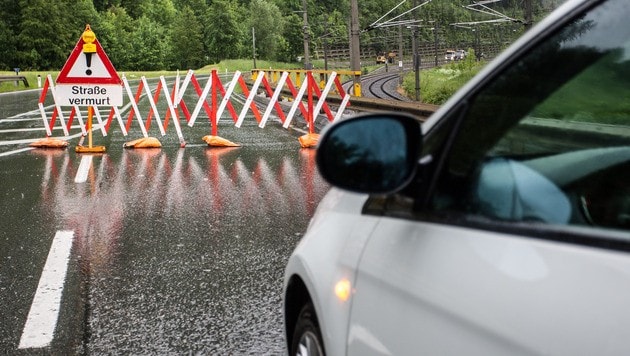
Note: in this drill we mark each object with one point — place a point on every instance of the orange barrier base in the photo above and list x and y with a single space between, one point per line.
145 142
216 141
309 140
49 143
93 149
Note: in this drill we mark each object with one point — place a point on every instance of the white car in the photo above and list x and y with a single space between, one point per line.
450 55
461 54
501 226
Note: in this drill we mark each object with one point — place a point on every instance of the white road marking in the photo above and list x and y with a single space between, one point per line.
18 119
16 151
41 322
30 140
18 142
35 129
84 168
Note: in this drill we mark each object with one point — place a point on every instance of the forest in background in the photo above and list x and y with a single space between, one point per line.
180 34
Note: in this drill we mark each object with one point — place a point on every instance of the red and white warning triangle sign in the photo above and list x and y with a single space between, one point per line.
88 78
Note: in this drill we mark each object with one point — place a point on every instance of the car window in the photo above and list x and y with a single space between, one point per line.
548 140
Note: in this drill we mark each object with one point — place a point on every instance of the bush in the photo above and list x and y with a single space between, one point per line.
438 84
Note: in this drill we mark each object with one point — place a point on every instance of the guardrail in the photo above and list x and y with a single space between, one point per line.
299 74
14 78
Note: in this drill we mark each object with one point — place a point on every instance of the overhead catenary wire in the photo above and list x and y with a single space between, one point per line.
481 7
388 12
400 23
473 23
388 22
489 11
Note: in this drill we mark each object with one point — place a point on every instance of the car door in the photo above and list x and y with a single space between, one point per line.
521 245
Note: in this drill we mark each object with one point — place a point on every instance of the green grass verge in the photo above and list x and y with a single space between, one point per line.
438 84
32 78
231 65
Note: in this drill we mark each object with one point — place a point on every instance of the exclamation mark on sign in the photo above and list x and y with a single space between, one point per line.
88 62
88 47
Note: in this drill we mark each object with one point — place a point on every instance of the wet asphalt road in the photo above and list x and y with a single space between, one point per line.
176 250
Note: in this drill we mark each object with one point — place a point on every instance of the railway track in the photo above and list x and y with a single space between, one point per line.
383 86
380 94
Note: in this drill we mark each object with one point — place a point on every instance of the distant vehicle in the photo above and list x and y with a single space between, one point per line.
386 58
499 226
460 54
391 56
455 55
450 55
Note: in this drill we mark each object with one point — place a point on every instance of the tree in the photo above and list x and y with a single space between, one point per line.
294 38
187 41
150 45
104 5
199 7
114 34
223 34
162 12
44 41
135 8
265 18
9 22
83 12
39 34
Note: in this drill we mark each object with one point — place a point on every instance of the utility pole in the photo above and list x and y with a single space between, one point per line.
478 53
435 45
416 62
400 42
400 54
416 57
326 56
307 59
355 49
254 46
529 19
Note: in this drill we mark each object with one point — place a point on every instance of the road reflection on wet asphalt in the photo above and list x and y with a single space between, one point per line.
176 250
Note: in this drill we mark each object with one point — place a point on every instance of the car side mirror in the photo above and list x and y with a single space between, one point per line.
374 153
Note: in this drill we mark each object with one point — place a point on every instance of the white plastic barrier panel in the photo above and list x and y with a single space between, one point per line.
274 99
200 102
250 98
134 107
322 98
228 93
296 103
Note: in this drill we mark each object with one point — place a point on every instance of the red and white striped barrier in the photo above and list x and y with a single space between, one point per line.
207 100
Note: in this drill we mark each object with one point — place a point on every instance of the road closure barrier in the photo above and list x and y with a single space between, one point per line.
261 98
